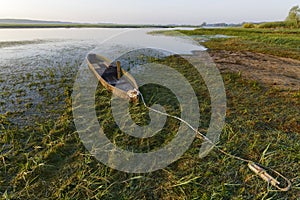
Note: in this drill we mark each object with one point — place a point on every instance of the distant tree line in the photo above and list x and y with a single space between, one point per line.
291 21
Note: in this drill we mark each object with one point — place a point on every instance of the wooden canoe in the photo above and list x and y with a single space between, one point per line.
110 77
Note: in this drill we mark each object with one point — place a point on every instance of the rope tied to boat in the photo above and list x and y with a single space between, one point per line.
256 168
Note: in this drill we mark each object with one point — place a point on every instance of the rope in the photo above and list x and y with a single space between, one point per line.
252 165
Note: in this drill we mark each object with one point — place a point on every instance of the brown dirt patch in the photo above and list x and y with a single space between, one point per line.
282 73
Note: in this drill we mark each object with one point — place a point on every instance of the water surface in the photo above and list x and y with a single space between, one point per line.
37 64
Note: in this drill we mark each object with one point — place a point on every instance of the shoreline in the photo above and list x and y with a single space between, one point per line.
48 159
30 26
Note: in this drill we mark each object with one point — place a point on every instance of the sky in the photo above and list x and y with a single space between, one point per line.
148 11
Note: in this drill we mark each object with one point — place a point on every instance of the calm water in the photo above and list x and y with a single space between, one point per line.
52 46
30 56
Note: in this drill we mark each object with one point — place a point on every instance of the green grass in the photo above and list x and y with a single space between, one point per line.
278 42
48 160
281 24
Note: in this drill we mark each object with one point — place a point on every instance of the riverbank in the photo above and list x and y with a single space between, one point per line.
48 160
268 56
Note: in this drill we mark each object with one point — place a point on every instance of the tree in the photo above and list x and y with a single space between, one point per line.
294 15
203 24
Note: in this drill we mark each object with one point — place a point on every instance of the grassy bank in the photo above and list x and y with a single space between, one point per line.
280 24
48 160
278 42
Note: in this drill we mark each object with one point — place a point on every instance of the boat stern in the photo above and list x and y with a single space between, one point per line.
133 95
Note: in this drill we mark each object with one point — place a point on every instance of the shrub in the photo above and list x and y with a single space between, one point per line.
248 25
283 24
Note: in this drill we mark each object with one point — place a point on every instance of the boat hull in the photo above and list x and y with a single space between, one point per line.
107 74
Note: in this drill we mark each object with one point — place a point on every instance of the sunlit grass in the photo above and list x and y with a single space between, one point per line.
278 42
48 160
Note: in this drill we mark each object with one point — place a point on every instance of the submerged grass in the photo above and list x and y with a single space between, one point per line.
48 160
18 43
25 98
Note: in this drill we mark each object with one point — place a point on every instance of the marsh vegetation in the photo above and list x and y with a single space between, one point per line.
47 159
